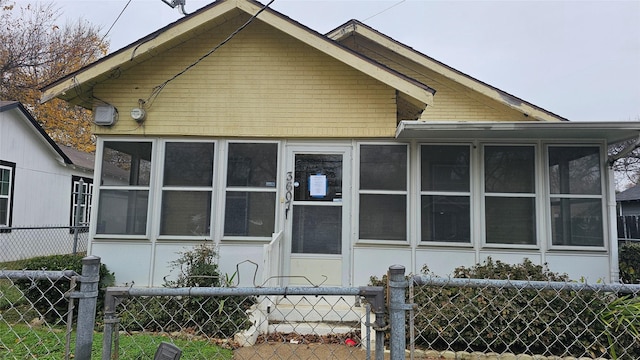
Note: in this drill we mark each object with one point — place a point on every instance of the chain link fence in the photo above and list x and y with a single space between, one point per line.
417 317
238 323
549 319
36 314
19 243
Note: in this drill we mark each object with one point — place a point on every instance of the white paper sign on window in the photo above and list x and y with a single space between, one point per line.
318 185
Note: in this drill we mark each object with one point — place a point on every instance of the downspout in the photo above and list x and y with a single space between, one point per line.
614 271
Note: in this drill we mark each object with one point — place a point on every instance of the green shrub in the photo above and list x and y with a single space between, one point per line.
47 296
219 316
629 260
510 320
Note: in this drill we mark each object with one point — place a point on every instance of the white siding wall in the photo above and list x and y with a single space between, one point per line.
41 191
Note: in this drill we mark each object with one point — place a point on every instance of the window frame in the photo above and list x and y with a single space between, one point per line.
149 188
535 195
11 167
406 193
224 189
88 185
602 196
161 188
470 194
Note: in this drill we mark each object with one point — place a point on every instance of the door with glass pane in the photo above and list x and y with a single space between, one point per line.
316 216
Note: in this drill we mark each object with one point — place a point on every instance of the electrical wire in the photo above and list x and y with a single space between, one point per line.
389 8
116 20
158 89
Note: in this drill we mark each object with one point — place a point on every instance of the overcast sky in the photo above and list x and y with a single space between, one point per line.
578 59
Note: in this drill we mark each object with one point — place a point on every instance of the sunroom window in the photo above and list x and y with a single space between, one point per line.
124 188
250 202
445 193
509 198
576 195
187 188
383 192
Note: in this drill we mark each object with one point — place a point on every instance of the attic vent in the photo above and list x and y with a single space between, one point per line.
105 115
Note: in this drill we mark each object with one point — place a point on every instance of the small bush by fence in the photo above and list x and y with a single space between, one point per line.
482 309
629 260
526 317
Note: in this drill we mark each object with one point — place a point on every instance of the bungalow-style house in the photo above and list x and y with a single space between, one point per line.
37 181
324 159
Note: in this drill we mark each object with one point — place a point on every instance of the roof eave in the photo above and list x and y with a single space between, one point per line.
72 86
609 131
532 111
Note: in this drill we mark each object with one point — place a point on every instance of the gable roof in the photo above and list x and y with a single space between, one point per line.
72 86
361 35
68 154
6 106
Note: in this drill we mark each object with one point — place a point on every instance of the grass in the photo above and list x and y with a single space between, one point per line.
24 342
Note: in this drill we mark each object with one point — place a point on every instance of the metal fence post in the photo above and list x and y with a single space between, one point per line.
397 287
88 297
375 298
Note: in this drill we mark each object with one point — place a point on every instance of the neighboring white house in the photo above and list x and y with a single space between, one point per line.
331 157
37 178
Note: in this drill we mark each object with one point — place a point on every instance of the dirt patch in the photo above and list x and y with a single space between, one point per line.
295 346
308 351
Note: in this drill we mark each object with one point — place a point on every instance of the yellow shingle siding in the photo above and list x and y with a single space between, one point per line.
261 83
452 100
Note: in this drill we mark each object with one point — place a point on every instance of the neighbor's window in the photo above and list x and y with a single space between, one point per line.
576 195
383 192
187 185
124 188
7 179
509 198
445 193
250 204
81 210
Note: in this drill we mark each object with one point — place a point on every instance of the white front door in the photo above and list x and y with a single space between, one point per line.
317 216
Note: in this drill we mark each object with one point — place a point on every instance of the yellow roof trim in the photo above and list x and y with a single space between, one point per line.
417 93
511 101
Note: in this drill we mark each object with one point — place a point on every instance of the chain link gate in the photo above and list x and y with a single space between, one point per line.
244 323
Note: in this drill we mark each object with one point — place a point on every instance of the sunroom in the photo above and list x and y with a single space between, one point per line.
343 210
